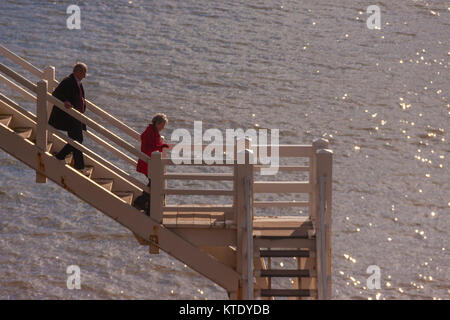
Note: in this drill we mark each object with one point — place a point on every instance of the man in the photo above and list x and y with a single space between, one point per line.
71 92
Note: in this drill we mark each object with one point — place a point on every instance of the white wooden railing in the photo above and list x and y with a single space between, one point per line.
318 185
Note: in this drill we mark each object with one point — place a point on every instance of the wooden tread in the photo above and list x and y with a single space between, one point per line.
69 158
49 144
105 183
284 242
87 171
5 119
125 196
24 132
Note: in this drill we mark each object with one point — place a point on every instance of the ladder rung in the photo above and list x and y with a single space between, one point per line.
199 176
49 145
87 171
263 204
287 293
198 208
284 253
285 242
285 273
5 119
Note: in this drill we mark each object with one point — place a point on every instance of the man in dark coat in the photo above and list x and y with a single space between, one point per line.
71 92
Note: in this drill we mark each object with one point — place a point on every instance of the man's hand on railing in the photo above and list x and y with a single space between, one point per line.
68 105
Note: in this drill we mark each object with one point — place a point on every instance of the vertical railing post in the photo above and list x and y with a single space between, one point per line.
41 128
49 75
323 222
244 224
246 144
310 263
317 144
155 173
249 230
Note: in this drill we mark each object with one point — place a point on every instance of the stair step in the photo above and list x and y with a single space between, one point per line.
5 119
284 253
287 242
292 273
49 145
24 132
68 159
287 293
105 183
125 196
87 171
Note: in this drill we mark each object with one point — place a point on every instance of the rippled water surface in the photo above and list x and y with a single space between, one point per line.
310 68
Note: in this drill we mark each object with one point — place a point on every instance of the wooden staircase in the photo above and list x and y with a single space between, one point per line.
227 243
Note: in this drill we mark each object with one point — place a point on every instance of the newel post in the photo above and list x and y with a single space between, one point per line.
49 75
323 222
317 144
41 128
244 224
155 173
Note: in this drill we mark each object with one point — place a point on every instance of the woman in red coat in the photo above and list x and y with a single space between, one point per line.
150 141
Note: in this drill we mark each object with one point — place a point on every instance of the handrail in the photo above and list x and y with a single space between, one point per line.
14 86
285 150
18 78
89 134
97 127
113 149
18 108
20 61
77 115
113 121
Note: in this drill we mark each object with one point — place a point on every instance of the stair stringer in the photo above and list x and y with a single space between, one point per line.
115 208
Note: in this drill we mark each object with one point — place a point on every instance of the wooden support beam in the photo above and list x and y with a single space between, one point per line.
226 255
41 127
244 223
323 235
155 174
120 211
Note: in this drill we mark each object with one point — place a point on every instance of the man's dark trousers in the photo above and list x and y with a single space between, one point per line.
68 90
76 133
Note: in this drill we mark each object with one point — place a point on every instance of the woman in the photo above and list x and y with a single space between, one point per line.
150 141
